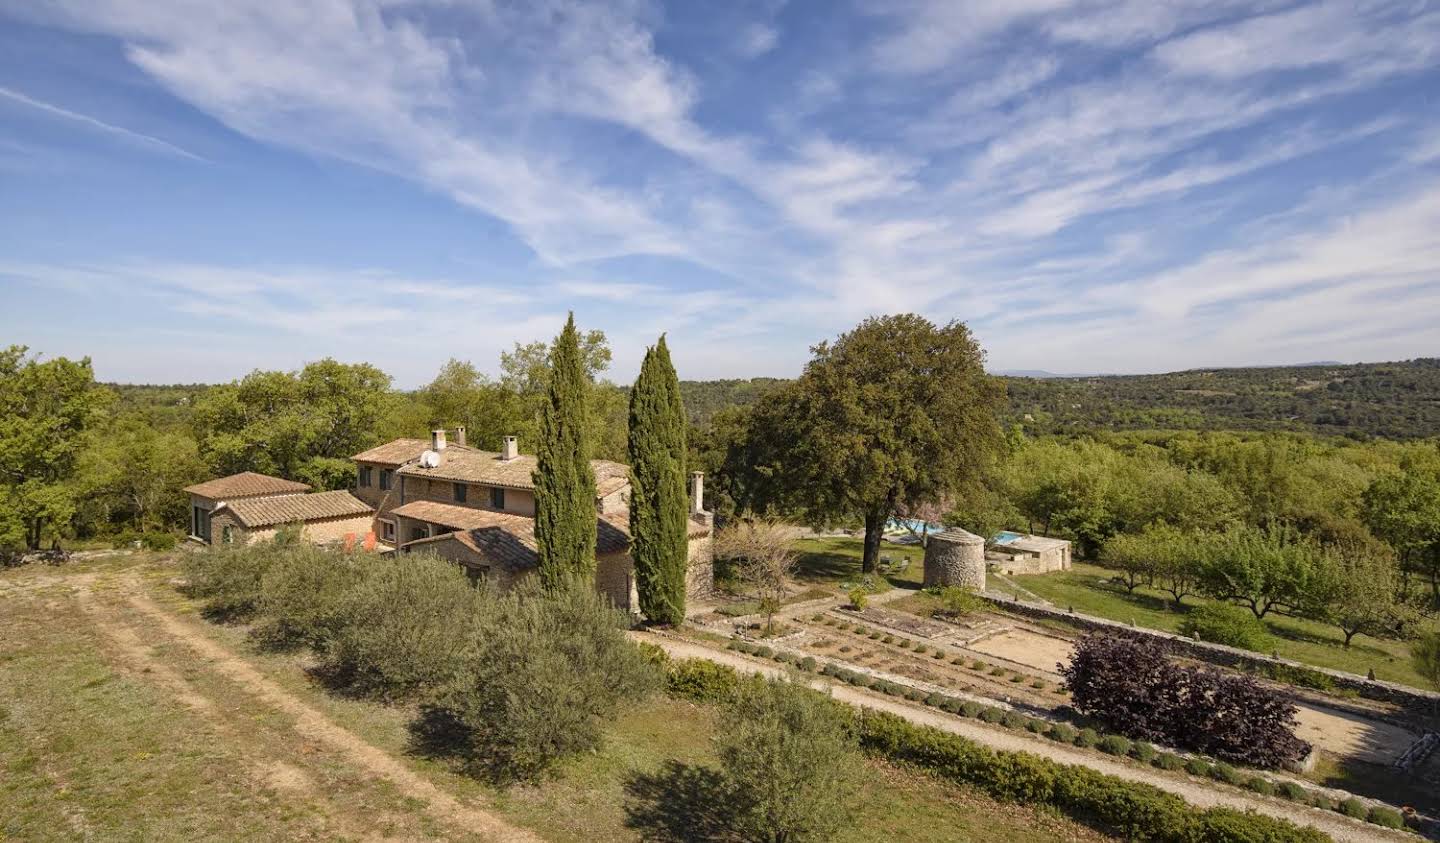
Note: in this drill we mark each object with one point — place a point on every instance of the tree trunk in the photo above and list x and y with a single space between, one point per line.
874 529
1349 633
32 538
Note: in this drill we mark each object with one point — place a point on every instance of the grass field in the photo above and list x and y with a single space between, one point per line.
1089 590
836 561
123 715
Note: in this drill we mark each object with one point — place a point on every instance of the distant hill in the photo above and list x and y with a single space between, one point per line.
1395 400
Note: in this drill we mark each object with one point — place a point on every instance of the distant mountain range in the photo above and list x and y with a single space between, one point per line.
1042 374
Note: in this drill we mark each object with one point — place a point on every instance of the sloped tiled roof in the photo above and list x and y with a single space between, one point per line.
288 509
612 532
467 465
396 451
246 484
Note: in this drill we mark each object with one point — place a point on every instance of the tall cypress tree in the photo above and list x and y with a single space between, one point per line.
564 481
658 526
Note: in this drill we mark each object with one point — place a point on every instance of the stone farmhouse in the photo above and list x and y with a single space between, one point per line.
1022 553
473 507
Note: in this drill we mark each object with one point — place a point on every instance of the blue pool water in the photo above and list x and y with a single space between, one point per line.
1005 537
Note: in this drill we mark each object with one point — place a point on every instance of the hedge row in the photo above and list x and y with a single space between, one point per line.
1133 809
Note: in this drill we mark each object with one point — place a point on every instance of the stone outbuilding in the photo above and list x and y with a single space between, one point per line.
1022 553
955 558
206 497
323 518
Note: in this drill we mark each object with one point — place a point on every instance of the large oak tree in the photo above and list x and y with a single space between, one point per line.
897 412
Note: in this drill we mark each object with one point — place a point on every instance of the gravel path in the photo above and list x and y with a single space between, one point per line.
1340 828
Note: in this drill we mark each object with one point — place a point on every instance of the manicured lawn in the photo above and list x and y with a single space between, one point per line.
1088 589
837 561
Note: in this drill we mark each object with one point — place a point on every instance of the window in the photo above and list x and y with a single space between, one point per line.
197 523
364 476
460 489
226 536
387 531
497 497
385 475
417 533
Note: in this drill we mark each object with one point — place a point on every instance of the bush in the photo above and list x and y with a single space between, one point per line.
1015 677
1114 745
1087 738
810 762
1035 725
1038 684
906 643
785 657
1295 675
953 705
970 708
934 700
304 596
894 689
1131 686
1260 785
864 681
1295 792
937 655
959 602
920 648
1322 801
550 669
1061 732
159 541
765 652
1131 810
914 694
858 597
889 639
1387 817
1225 773
1169 761
997 670
978 665
1224 623
1142 752
807 664
409 625
991 714
1354 807
227 579
700 680
1197 767
874 636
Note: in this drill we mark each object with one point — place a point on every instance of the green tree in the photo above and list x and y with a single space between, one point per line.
897 411
1403 509
658 520
275 422
1261 569
565 526
789 760
132 474
1355 588
46 408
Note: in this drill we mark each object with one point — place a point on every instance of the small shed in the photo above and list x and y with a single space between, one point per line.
1023 553
206 497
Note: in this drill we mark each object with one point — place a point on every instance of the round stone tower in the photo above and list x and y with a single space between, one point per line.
955 557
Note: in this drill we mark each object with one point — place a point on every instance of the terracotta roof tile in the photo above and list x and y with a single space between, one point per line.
395 452
288 509
612 530
246 484
473 466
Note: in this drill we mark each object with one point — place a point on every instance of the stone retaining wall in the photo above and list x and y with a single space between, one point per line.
1412 699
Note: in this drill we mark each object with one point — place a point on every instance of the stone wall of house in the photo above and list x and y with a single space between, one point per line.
373 494
332 530
614 502
517 501
700 567
615 578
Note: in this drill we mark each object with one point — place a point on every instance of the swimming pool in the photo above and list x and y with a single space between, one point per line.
1006 537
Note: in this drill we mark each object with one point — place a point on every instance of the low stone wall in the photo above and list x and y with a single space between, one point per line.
1413 699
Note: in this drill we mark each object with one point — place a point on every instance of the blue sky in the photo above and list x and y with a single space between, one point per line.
189 191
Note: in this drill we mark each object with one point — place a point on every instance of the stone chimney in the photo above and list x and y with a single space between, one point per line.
437 440
697 492
460 434
509 448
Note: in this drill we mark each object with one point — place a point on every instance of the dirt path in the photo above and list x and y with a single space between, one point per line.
314 725
1338 827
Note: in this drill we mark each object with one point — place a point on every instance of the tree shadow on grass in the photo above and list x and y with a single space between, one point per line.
820 566
681 803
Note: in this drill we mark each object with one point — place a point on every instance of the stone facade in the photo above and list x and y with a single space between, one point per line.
328 531
955 558
517 501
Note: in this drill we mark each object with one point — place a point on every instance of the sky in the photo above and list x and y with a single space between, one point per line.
193 190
